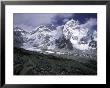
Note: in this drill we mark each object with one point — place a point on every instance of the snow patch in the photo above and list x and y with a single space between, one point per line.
49 51
34 49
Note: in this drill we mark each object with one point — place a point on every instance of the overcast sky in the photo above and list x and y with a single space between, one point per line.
29 21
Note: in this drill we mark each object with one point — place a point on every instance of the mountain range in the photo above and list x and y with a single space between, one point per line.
50 39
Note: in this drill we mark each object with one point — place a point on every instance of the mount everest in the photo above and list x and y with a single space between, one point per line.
61 39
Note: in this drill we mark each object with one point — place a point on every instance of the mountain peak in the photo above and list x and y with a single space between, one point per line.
43 28
18 29
75 32
72 23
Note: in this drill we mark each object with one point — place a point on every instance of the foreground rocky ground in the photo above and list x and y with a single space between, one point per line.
33 63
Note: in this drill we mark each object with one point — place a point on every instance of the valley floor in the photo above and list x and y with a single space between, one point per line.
34 63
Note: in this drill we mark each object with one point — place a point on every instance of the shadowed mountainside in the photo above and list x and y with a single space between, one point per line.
34 63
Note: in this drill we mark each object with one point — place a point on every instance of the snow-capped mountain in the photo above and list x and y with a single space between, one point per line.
71 35
43 38
20 36
79 35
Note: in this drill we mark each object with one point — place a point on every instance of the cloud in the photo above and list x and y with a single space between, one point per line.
65 20
36 19
90 23
32 19
29 21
